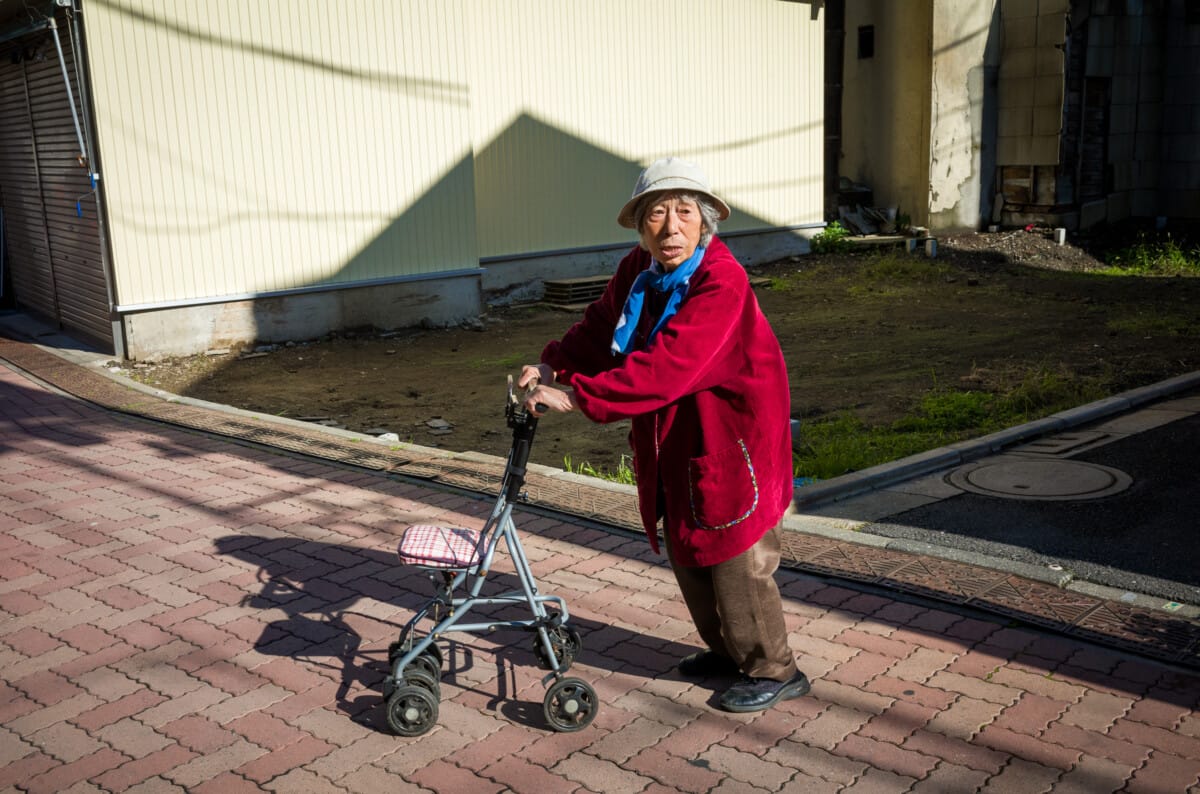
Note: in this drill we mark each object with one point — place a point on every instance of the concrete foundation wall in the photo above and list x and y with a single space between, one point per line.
187 330
521 280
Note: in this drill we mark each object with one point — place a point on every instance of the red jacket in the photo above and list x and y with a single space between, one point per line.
709 401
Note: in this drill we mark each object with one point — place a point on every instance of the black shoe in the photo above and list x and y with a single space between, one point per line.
757 694
702 664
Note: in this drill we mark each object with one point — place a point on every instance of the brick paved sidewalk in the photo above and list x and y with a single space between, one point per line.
182 613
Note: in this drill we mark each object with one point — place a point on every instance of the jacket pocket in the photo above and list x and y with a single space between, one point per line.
722 487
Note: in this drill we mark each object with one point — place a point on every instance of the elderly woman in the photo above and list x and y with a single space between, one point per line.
678 344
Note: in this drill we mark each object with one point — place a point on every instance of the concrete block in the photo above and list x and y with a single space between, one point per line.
1019 62
1047 120
1122 176
1017 92
1044 150
1150 88
1144 203
1019 33
1122 119
1016 121
1054 6
1101 31
1013 150
1099 61
1013 9
1048 91
1129 31
1050 61
1093 213
1147 147
1120 148
1127 60
1177 119
1118 207
1182 203
1051 29
1124 89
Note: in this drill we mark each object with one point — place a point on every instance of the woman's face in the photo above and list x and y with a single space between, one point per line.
671 230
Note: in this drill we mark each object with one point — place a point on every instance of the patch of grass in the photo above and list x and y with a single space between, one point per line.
1152 325
888 273
831 240
622 475
1149 257
842 444
512 361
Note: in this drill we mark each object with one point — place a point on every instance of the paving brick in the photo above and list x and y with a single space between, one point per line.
1027 747
1096 711
746 767
1031 714
1044 684
597 774
623 745
1094 743
861 669
949 779
127 706
25 768
921 665
63 777
852 697
265 730
899 722
229 783
1154 709
816 762
680 774
876 644
1165 772
1022 776
198 734
1094 776
879 781
830 727
133 738
911 692
975 688
145 769
693 738
1156 738
965 717
65 742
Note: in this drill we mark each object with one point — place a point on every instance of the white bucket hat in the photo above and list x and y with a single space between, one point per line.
667 174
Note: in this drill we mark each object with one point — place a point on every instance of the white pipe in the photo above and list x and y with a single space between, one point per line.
62 62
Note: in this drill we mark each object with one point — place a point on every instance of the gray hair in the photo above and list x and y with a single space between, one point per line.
708 212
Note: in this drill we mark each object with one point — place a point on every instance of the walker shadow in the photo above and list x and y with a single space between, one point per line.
328 626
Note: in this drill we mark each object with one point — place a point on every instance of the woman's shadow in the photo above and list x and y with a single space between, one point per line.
321 589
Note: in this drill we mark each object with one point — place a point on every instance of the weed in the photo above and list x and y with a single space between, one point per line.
1154 258
831 240
842 444
623 474
511 361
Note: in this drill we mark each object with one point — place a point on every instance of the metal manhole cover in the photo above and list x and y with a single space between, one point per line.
1041 479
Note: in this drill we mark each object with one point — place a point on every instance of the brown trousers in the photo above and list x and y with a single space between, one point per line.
737 608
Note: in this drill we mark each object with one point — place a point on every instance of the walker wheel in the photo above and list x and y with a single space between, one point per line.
412 710
396 650
566 643
417 674
570 705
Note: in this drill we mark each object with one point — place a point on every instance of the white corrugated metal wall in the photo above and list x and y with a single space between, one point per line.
571 100
258 147
251 148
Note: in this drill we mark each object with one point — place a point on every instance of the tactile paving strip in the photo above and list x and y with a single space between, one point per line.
1136 629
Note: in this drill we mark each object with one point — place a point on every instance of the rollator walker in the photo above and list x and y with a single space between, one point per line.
456 558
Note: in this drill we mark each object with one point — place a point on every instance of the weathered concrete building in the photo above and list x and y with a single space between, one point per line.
1068 112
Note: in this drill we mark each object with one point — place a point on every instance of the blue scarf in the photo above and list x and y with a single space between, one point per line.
655 277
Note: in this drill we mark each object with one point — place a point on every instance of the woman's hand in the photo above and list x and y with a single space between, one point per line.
543 398
540 373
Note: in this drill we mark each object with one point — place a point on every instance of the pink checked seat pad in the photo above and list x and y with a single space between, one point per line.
439 547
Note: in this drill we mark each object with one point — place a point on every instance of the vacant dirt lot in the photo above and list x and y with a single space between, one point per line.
861 333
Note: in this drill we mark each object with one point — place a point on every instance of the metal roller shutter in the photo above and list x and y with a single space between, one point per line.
54 249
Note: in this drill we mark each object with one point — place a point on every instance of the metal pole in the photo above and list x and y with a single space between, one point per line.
62 62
